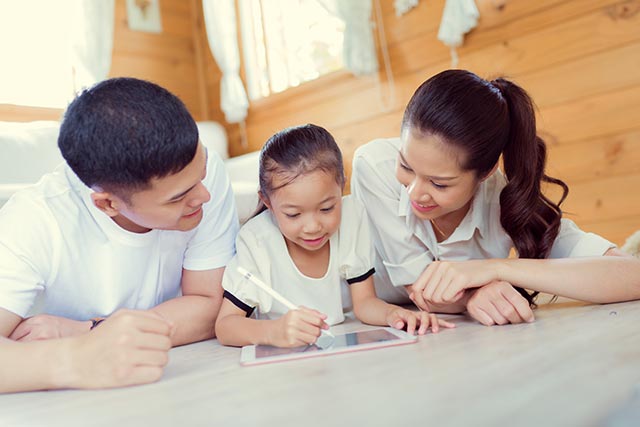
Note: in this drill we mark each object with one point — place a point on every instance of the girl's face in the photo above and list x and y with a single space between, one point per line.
307 209
430 169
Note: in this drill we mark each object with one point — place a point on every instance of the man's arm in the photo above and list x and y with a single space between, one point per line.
194 313
129 348
8 322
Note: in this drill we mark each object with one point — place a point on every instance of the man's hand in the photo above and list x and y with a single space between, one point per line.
45 326
498 303
130 347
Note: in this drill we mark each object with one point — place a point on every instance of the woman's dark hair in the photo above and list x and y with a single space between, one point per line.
297 151
123 132
486 119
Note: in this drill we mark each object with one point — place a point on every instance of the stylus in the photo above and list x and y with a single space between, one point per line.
322 343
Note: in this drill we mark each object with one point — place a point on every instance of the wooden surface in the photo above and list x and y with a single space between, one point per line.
575 366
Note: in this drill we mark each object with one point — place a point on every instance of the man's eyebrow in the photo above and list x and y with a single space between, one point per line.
179 195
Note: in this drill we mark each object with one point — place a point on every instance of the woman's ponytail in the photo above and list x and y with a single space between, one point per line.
530 218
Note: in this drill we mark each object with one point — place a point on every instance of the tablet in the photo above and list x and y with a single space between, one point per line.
344 343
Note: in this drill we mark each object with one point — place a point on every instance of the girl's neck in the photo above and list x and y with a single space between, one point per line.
313 264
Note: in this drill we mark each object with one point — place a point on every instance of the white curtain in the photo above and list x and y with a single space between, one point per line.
359 52
220 21
91 40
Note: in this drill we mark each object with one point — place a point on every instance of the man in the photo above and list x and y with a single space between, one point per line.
140 217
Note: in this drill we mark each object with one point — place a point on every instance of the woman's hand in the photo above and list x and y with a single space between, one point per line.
498 303
298 327
444 282
399 317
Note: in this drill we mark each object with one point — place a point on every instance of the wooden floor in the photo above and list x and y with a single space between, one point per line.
577 365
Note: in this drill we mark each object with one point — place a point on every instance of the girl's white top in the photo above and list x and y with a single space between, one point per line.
261 249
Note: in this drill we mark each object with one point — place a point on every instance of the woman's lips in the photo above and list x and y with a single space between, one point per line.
422 208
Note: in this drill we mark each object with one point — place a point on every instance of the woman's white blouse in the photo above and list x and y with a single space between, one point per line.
261 249
405 244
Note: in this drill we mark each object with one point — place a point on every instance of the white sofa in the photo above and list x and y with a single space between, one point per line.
29 150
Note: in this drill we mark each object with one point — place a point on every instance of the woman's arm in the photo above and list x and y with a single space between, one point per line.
606 279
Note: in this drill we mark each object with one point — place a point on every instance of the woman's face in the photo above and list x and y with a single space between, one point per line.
430 169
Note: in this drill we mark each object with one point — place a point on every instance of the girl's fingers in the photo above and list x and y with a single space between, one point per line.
446 324
424 323
433 320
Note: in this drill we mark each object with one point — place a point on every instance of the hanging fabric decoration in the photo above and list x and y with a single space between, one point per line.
404 6
359 52
458 18
220 21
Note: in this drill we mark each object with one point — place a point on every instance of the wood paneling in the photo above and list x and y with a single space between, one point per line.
579 59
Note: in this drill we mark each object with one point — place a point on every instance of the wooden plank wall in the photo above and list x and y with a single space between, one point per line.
579 59
173 59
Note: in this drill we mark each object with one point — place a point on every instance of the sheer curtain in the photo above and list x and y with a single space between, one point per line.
220 21
91 41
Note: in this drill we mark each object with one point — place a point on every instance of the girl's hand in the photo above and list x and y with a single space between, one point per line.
398 317
299 327
444 282
498 303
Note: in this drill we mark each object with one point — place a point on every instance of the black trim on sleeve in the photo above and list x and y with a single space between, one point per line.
361 278
242 306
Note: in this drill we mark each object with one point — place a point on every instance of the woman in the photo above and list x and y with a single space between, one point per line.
445 218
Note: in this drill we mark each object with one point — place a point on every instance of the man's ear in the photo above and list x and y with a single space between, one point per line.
264 199
106 202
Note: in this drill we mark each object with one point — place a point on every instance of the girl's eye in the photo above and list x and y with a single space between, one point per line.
405 167
439 186
291 215
329 209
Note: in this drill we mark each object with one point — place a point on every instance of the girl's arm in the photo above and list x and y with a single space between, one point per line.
296 328
611 278
370 309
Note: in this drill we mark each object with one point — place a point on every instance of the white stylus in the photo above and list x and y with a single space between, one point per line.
324 340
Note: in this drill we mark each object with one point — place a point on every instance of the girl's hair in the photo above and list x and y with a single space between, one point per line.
487 119
297 151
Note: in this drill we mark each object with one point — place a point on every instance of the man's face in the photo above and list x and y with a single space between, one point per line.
171 203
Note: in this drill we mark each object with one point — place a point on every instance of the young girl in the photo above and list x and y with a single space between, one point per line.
444 219
305 243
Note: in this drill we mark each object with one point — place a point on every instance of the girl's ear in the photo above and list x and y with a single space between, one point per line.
264 199
106 202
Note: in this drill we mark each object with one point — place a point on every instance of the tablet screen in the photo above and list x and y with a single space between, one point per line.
361 340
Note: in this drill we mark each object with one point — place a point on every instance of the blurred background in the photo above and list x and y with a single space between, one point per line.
257 66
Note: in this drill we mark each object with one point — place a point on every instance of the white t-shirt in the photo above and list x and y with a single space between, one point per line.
61 255
262 251
405 244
